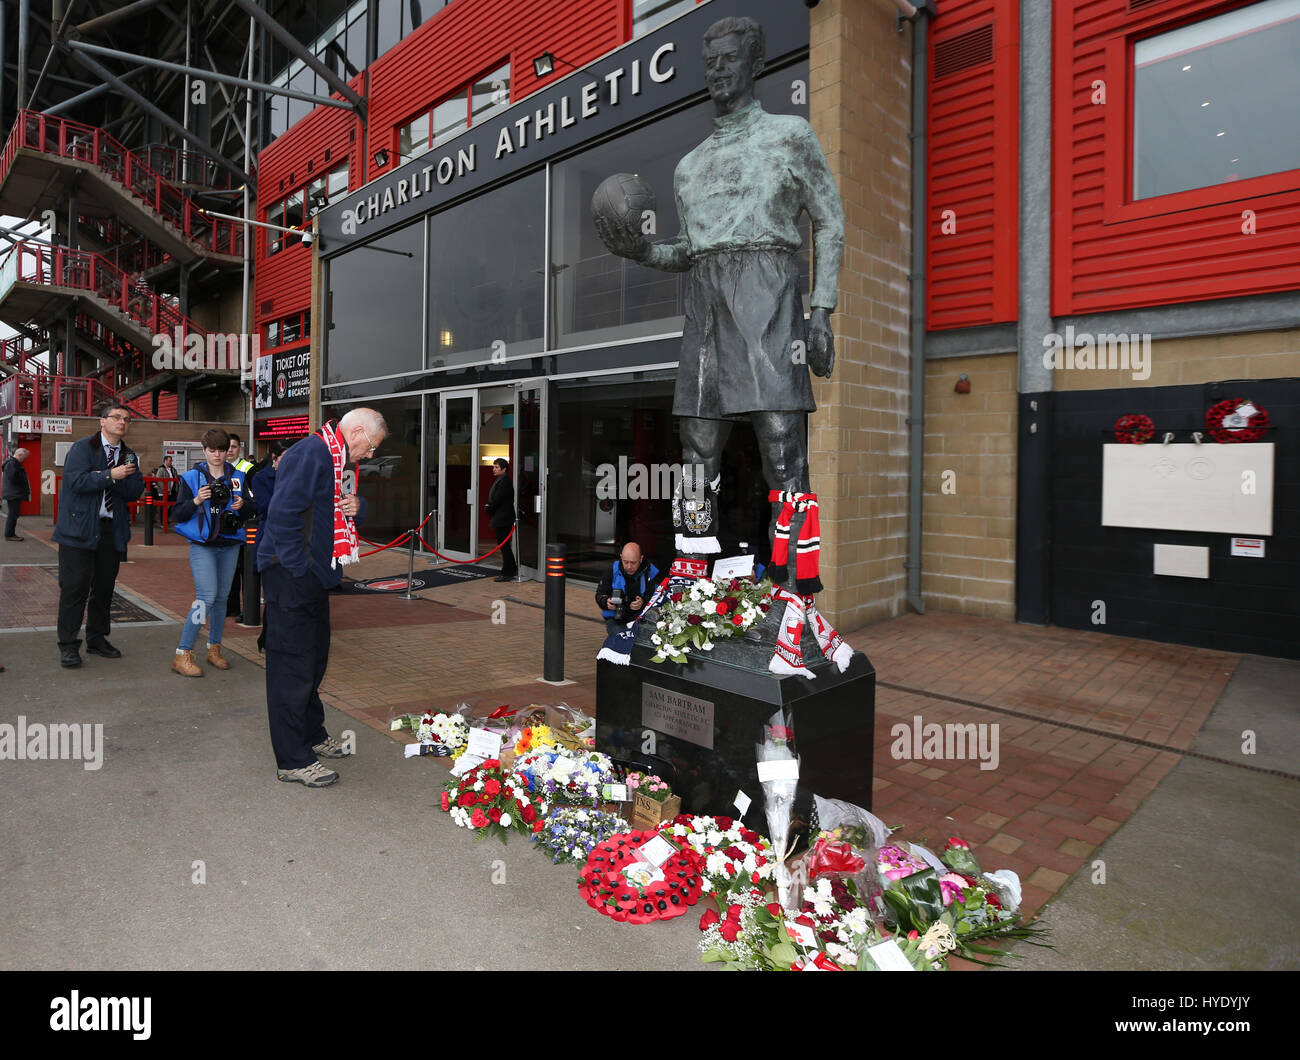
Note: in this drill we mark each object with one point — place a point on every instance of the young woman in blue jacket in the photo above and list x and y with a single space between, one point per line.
214 528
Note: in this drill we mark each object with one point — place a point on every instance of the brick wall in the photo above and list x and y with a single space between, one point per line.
860 106
1209 359
968 538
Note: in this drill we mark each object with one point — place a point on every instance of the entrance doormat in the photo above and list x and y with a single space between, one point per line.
421 579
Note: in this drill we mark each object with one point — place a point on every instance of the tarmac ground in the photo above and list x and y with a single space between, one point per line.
1146 793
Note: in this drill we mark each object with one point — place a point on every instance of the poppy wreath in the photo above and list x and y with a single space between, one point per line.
1134 428
1252 432
604 887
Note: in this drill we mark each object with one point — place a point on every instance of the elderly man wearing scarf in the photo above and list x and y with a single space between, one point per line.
306 537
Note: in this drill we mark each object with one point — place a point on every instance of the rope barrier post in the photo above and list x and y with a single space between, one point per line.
148 519
410 565
252 615
553 659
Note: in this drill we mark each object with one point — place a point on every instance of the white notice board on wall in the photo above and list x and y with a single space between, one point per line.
1212 488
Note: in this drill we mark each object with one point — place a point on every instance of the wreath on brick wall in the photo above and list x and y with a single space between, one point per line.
1134 428
1251 430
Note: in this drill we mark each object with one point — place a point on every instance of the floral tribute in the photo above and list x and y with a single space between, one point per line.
561 775
695 616
572 832
1224 421
490 800
734 858
625 888
960 910
534 738
449 733
1134 429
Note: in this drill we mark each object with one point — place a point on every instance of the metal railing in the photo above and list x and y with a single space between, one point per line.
58 395
53 135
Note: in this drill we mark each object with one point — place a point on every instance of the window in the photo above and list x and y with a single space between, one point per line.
274 239
336 183
1217 101
273 334
293 212
373 327
453 115
649 15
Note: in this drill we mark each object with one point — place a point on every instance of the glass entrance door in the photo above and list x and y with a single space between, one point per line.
529 470
458 459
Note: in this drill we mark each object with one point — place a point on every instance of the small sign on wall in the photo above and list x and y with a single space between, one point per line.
1248 546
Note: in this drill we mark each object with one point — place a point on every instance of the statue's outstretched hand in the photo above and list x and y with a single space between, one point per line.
620 241
821 343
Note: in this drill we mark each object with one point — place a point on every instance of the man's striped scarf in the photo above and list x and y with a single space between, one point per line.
345 530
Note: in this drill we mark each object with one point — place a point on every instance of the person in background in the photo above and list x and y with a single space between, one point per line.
501 509
15 490
625 588
264 480
211 506
235 602
100 477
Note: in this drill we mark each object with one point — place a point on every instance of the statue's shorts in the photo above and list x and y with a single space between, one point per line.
743 344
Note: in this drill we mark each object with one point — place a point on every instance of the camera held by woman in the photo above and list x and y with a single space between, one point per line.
211 507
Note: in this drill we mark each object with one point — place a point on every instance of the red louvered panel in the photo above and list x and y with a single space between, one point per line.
1112 253
972 166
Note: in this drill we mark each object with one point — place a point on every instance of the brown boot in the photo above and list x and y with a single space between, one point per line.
185 665
215 658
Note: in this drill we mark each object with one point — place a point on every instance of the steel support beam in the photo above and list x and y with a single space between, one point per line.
94 24
207 75
90 93
296 49
102 72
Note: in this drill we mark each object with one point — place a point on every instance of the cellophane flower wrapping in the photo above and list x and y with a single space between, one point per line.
843 848
778 800
571 725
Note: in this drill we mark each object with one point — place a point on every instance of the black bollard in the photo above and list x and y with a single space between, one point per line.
553 658
252 615
148 519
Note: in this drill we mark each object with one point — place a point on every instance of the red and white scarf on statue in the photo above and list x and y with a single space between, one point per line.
807 561
787 659
345 530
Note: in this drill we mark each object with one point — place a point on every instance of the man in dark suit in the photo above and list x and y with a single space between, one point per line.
15 490
501 509
100 476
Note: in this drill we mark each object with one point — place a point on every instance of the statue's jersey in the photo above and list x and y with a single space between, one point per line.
745 187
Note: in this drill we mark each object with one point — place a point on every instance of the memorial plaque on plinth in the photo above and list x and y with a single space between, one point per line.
697 725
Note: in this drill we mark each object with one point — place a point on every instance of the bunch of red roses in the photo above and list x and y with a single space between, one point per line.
494 801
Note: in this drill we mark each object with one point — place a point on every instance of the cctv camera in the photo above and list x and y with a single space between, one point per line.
306 239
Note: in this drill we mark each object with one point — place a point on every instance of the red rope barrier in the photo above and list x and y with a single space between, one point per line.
463 561
400 537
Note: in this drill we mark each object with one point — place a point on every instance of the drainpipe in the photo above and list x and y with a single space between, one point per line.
250 450
919 17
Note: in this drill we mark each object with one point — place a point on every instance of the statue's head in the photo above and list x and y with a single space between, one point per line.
733 58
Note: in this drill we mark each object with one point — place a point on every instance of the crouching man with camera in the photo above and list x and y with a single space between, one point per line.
210 510
626 587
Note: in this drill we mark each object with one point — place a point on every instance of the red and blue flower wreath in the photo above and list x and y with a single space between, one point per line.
604 887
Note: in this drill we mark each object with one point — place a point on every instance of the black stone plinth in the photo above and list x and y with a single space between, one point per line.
832 716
